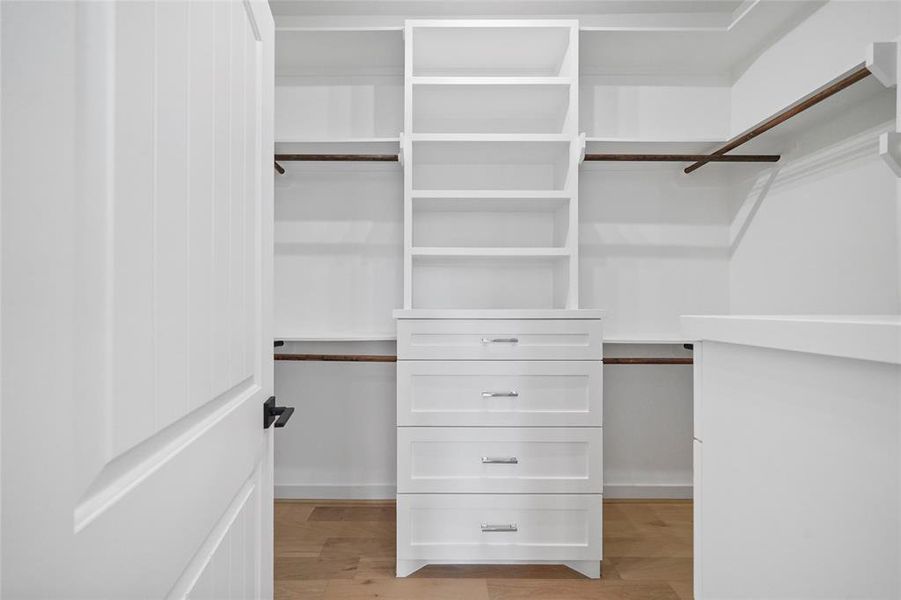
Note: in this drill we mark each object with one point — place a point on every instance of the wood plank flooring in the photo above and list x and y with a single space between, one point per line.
328 550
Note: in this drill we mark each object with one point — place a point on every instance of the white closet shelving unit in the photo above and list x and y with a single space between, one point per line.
490 333
492 155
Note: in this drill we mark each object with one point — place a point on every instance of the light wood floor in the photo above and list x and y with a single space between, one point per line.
345 550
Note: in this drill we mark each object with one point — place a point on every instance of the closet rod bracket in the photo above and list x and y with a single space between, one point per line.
882 62
890 151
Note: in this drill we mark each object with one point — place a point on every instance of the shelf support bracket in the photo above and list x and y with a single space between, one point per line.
400 152
582 147
883 62
890 151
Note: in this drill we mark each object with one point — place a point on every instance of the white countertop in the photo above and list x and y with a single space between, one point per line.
864 337
517 313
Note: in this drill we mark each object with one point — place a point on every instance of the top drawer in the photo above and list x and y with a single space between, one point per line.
499 339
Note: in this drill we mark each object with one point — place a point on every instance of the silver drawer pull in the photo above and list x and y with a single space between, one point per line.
510 527
500 340
510 394
500 460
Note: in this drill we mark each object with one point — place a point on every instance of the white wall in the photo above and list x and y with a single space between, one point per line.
647 425
653 246
338 248
341 441
821 234
648 108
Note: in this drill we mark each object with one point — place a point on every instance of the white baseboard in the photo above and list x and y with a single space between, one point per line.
387 491
330 491
667 491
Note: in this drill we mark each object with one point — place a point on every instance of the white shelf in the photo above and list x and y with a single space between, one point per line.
860 337
361 140
492 81
492 137
492 194
386 145
610 145
661 340
480 206
494 314
338 337
491 252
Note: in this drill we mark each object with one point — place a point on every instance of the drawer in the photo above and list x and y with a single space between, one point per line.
499 339
500 393
502 460
499 527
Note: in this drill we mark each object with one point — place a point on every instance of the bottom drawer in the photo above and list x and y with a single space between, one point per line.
485 527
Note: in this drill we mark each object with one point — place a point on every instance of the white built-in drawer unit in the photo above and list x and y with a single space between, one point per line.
499 438
542 393
499 339
499 460
476 528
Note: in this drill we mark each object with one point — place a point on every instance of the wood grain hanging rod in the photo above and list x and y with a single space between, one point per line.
755 158
337 157
384 358
784 115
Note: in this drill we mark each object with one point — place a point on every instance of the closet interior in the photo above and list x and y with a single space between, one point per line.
457 165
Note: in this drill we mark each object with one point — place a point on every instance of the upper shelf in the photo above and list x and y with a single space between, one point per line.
390 145
493 48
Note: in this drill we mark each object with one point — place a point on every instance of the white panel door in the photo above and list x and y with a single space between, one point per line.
136 277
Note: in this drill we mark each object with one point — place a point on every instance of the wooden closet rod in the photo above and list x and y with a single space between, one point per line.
338 157
784 115
338 357
684 157
384 358
649 361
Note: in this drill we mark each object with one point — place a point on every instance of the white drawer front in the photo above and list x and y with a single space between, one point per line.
479 527
502 460
505 339
500 393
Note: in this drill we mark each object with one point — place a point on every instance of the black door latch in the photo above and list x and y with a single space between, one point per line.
277 414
